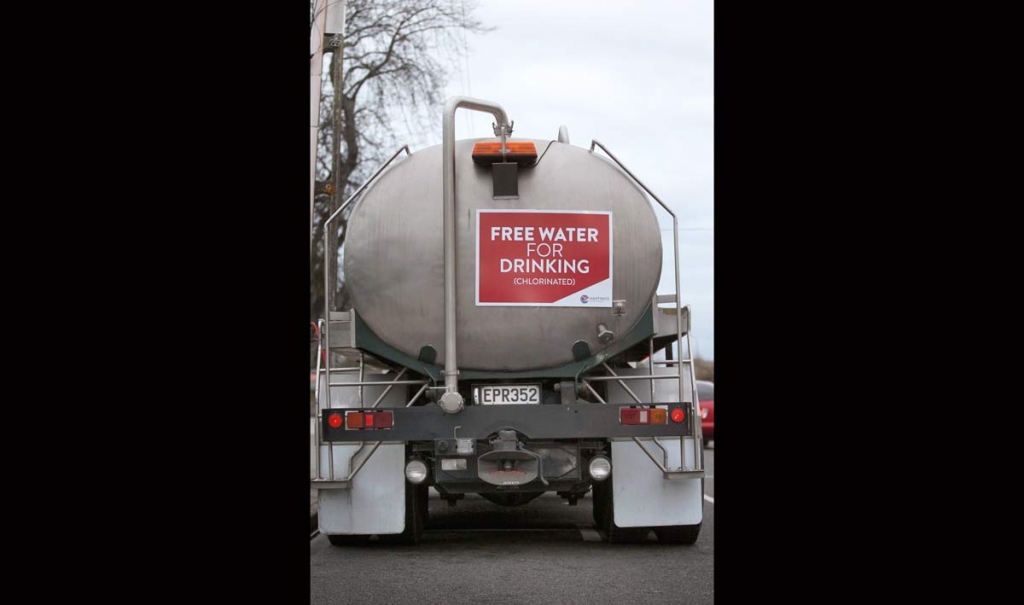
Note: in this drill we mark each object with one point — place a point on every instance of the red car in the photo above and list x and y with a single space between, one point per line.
706 397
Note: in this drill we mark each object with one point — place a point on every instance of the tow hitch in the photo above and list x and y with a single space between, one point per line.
508 463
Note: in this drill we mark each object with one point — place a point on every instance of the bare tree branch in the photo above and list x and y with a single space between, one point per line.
396 57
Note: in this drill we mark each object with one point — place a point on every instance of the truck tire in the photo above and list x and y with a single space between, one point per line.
415 513
678 534
348 540
598 499
613 533
681 534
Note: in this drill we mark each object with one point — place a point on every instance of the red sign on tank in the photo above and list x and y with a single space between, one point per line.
535 258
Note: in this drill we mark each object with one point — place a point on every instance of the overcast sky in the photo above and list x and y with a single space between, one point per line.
639 79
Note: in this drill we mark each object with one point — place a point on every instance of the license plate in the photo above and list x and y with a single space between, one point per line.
508 394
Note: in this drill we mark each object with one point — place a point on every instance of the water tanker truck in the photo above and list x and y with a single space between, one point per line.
502 340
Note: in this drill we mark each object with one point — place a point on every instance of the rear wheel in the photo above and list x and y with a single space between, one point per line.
681 534
415 513
598 498
678 534
614 533
348 540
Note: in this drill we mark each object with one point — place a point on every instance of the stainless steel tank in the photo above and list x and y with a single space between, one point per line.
394 257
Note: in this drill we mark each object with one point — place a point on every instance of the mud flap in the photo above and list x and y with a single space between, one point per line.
375 504
643 497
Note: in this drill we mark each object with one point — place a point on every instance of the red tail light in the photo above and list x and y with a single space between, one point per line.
369 420
334 420
642 416
678 415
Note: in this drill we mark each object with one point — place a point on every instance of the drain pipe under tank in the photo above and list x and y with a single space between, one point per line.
451 401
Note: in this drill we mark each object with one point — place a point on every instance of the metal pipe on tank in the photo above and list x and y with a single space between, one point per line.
451 372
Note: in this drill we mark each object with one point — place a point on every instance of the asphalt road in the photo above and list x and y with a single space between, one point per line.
543 552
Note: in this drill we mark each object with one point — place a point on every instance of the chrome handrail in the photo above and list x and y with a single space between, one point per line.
316 417
328 257
694 407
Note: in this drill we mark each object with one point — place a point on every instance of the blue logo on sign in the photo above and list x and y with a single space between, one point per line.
584 299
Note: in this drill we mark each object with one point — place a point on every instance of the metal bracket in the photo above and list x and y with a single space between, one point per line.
505 177
327 484
347 482
498 129
669 473
503 132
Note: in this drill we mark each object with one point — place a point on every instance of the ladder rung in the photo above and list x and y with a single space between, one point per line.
328 484
674 475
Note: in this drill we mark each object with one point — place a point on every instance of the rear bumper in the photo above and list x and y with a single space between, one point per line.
574 421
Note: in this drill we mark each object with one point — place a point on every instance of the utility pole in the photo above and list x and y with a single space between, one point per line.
316 67
328 20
